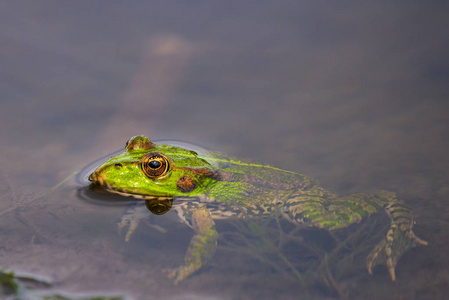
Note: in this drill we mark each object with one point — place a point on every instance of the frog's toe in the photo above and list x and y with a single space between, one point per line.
179 274
417 240
390 249
131 223
381 254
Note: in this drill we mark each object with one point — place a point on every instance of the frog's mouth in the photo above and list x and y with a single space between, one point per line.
99 181
138 196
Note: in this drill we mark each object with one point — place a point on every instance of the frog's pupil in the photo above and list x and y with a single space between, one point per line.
154 164
159 209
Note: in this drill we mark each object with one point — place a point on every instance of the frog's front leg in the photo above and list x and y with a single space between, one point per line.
133 217
399 238
202 246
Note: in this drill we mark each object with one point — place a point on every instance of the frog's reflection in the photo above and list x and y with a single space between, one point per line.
159 206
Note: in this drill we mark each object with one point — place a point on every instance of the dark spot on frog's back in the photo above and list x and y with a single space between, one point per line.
186 184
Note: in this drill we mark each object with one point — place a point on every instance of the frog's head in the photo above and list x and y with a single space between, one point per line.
148 169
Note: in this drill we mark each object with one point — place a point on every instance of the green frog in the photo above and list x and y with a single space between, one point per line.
219 186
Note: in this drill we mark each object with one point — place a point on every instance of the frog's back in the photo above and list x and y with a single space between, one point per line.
266 174
257 186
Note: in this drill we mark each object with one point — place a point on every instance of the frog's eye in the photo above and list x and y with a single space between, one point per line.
155 165
158 206
139 142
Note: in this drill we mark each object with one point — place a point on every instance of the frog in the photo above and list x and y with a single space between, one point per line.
216 186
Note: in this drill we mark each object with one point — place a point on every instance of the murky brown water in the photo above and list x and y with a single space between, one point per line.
353 94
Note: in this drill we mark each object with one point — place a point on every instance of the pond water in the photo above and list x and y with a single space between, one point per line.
352 94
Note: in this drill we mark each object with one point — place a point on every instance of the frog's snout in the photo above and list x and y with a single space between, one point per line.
91 177
96 178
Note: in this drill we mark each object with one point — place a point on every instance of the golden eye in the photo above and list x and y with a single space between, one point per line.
155 165
159 207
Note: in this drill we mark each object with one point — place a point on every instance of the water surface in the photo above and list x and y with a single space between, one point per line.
353 94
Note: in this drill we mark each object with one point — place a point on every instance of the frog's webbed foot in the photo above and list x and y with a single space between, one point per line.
398 240
180 273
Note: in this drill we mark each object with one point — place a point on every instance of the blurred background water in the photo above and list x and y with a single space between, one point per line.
352 93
